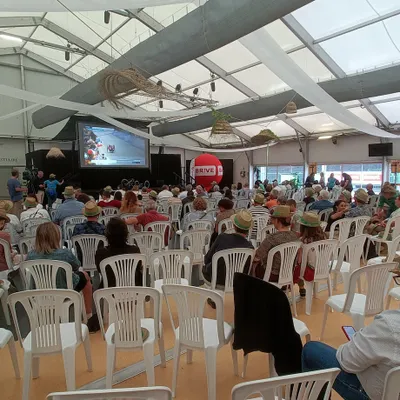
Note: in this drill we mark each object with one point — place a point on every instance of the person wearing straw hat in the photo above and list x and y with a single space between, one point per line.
33 210
308 196
388 196
257 210
107 200
175 199
242 223
281 219
50 188
362 208
14 227
69 208
92 226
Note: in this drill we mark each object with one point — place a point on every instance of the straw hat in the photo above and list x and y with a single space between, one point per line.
52 176
91 209
69 191
6 205
281 212
347 195
153 194
175 191
259 198
242 220
3 216
389 189
309 192
108 189
310 219
361 195
30 202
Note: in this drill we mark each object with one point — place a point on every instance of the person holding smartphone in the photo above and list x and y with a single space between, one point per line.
364 361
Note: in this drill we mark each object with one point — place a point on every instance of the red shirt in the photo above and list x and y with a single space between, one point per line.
112 203
153 216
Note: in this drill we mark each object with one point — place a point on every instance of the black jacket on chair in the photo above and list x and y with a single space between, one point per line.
264 322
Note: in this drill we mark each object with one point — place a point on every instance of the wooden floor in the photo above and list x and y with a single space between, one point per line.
192 383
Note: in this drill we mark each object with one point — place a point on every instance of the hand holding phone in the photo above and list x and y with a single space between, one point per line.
349 331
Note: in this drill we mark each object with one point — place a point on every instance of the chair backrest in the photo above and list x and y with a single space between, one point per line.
45 309
188 207
288 253
242 203
393 227
351 250
163 204
344 229
267 231
377 277
196 241
110 211
88 245
393 249
7 253
154 393
324 214
105 219
160 227
168 265
128 215
359 224
235 261
225 223
323 225
124 267
76 219
200 225
69 231
190 304
373 200
391 390
211 204
126 310
175 210
26 244
44 273
259 223
304 386
324 251
30 225
148 242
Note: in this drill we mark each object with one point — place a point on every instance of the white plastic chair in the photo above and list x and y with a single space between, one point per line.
300 205
160 227
360 223
197 242
3 298
260 223
350 253
175 210
373 200
198 333
304 386
188 208
124 268
105 219
323 250
163 204
126 310
75 220
200 225
324 214
384 239
88 245
30 225
48 335
243 203
288 254
69 232
211 203
358 305
148 243
225 223
110 211
155 393
391 390
26 244
323 225
126 216
7 338
344 229
268 230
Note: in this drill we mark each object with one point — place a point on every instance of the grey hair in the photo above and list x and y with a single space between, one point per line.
189 187
324 194
150 205
216 188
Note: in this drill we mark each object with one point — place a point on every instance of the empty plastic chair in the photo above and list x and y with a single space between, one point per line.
110 211
391 390
7 338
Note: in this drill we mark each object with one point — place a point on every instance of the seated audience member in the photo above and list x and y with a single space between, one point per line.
296 215
216 193
245 193
117 236
308 196
268 190
69 208
130 204
340 208
310 232
362 208
107 200
78 191
91 227
200 192
317 188
47 246
345 195
388 196
228 194
7 237
281 201
175 199
234 190
281 220
242 222
199 213
153 195
257 210
32 210
370 189
322 203
364 361
183 195
14 227
273 199
83 198
274 183
135 189
165 193
225 210
188 199
118 195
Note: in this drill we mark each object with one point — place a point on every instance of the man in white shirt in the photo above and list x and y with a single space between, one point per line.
364 360
165 193
183 194
33 211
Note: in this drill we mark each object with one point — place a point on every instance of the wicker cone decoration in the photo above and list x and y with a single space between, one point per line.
265 136
55 152
221 127
291 108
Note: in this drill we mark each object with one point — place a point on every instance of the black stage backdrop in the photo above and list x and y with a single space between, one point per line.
227 164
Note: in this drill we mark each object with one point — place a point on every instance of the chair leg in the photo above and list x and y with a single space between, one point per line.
326 311
177 354
35 367
245 360
14 359
161 347
148 351
88 353
346 281
110 366
294 308
5 306
211 369
271 361
234 359
359 286
69 367
389 299
308 338
27 375
358 321
309 295
335 275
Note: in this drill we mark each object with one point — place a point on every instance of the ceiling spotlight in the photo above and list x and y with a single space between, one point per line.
161 104
67 53
324 137
178 88
212 84
291 108
107 16
196 91
159 83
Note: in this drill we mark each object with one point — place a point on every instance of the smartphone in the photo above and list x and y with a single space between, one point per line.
349 331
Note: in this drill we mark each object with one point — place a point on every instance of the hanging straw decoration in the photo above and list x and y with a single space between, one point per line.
55 152
221 125
291 108
265 136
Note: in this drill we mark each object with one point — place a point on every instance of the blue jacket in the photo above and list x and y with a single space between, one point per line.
321 205
69 208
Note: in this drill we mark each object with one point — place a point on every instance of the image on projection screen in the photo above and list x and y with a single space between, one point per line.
110 147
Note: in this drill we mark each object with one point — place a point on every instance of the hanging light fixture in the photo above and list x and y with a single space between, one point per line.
178 88
161 104
212 84
67 53
196 91
107 16
291 108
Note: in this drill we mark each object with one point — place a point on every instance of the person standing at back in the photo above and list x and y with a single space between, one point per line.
16 193
51 189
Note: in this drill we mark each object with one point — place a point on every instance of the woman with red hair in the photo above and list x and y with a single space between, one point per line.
130 204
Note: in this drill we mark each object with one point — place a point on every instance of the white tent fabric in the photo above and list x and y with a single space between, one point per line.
261 44
79 5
